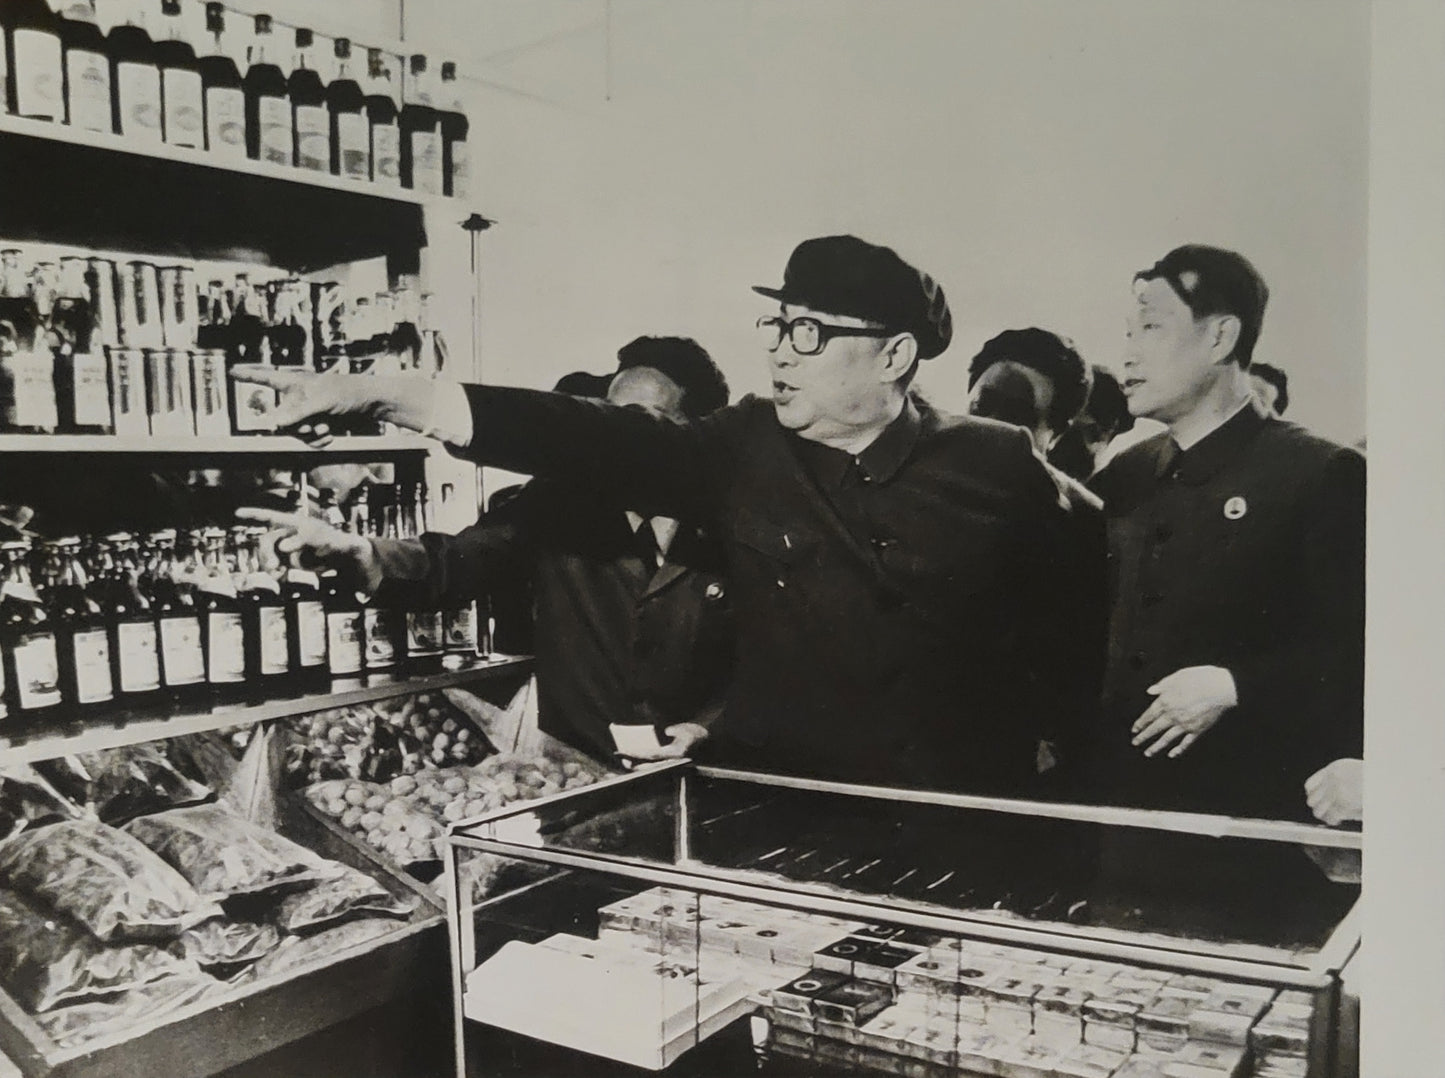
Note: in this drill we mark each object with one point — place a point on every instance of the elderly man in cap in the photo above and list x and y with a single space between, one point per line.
1236 544
892 569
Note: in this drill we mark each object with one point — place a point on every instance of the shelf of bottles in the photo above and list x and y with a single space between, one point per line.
195 83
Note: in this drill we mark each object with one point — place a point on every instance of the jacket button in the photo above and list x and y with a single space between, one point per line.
782 583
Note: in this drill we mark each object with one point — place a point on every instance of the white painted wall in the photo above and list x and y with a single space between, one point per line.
1031 154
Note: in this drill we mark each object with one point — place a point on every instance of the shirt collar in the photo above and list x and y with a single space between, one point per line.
664 529
1206 456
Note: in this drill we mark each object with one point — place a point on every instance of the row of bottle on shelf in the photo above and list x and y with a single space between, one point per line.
125 620
90 345
146 79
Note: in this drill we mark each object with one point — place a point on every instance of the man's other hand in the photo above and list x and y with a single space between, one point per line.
685 736
1186 705
310 543
1335 792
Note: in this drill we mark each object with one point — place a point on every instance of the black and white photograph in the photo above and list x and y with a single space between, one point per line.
548 538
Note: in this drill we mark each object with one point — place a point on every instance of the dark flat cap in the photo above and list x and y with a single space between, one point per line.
849 276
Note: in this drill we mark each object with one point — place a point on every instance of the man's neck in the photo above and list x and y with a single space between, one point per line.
1216 408
856 439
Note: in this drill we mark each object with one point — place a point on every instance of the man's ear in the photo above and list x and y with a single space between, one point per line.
1223 337
898 357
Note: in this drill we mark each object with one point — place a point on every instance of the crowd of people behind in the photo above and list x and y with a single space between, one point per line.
842 581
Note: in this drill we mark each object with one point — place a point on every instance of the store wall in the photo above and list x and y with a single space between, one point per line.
646 161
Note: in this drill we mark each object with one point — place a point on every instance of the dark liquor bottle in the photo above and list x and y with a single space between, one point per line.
287 334
223 629
424 628
383 119
456 168
183 658
405 340
421 139
345 629
27 642
268 108
305 628
34 70
82 377
136 76
350 131
245 342
183 105
134 648
308 99
87 69
268 656
213 330
460 630
82 640
224 92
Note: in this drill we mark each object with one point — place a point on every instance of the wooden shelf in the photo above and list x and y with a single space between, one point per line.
260 445
111 731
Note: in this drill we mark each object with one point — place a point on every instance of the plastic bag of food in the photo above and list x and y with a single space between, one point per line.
27 799
120 784
84 1023
47 960
223 855
346 893
298 951
222 943
103 878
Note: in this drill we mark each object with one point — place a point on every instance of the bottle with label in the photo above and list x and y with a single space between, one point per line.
288 332
345 629
223 629
225 96
384 121
425 629
245 342
306 628
350 131
183 659
460 631
268 656
421 138
34 69
82 641
183 111
27 362
82 375
405 340
27 643
432 360
87 68
308 99
136 76
269 125
456 168
135 661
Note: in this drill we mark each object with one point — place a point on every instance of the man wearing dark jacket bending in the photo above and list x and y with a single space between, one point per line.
895 572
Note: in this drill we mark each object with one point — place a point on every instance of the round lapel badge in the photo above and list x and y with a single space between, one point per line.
1235 508
714 591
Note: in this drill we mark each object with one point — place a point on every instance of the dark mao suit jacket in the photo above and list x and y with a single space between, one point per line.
903 626
617 640
1247 551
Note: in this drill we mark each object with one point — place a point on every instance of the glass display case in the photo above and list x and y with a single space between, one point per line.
716 922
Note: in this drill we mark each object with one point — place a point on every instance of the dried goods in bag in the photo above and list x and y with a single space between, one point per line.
221 943
342 895
298 951
223 855
103 878
27 800
120 784
47 960
118 1016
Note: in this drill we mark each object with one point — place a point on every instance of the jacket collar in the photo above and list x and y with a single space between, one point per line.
880 462
1205 458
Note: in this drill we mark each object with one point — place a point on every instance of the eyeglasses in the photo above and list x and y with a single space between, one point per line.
808 336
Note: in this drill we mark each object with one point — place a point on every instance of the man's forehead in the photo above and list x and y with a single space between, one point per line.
796 310
1157 294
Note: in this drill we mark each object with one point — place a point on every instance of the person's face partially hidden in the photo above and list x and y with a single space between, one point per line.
650 390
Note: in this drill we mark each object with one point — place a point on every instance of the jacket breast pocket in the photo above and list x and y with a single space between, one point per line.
771 551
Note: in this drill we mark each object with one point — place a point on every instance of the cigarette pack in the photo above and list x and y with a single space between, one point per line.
980 1052
838 1032
1198 1060
881 962
853 1002
1009 999
1227 1015
1188 986
889 1027
800 994
1140 1067
1164 1024
798 1021
1274 1065
1089 1061
933 1044
1109 1022
1280 1038
1059 1011
1028 1057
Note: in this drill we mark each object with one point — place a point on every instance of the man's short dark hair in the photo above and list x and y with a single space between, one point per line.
1107 405
684 361
1049 354
1277 378
1225 283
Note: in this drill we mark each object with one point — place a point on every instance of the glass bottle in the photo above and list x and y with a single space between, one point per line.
27 643
213 330
456 168
183 659
308 99
288 333
27 363
136 77
269 129
134 649
34 69
246 342
82 374
383 119
350 132
224 92
424 628
87 68
305 628
345 629
223 629
406 337
82 640
432 360
421 140
268 655
183 116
